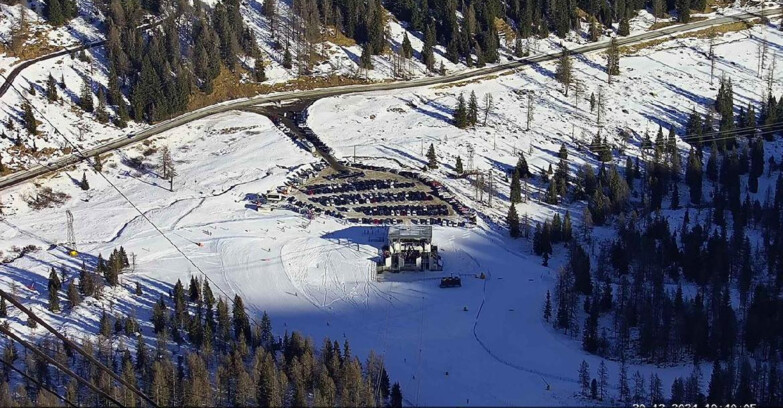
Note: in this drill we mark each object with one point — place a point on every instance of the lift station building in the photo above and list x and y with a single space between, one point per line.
409 248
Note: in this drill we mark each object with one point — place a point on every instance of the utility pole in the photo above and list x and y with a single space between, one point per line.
172 173
489 174
712 55
771 74
71 239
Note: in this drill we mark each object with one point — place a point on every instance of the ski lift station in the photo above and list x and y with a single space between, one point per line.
409 248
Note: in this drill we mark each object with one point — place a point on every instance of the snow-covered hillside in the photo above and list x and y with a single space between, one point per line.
658 86
315 276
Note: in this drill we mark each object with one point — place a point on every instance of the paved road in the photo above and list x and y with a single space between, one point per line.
37 171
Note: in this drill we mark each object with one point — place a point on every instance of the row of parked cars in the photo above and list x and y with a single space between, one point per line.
371 198
404 210
357 185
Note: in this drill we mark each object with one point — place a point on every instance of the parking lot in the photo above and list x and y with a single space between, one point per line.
373 195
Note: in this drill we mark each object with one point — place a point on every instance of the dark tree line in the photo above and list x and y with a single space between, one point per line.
225 360
626 297
157 70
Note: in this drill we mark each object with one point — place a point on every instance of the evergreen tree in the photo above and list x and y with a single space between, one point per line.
287 64
584 377
259 70
603 380
395 399
427 54
54 301
522 167
407 48
240 319
563 72
461 113
516 188
365 61
693 177
74 299
622 383
472 109
613 59
85 98
513 221
458 166
51 89
3 309
29 119
684 11
84 184
432 159
625 27
548 307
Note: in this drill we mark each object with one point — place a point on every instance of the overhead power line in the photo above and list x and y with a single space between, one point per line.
57 364
36 382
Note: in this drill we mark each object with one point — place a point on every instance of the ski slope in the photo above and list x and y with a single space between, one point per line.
314 276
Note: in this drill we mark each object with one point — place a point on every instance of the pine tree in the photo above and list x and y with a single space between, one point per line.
287 64
29 119
365 61
461 113
548 307
613 59
51 89
472 109
622 383
84 184
458 166
395 399
432 159
240 319
625 27
54 301
259 70
563 72
522 167
513 221
74 299
427 54
693 177
584 377
54 283
3 309
105 325
407 48
684 11
85 98
101 115
595 32
516 189
603 380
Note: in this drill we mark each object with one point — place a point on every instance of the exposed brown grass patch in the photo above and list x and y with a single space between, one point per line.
506 30
227 86
703 33
34 45
471 81
336 37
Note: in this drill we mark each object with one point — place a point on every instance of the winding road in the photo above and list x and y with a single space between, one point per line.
37 171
